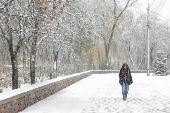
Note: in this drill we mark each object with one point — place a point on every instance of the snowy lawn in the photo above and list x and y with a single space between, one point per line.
101 93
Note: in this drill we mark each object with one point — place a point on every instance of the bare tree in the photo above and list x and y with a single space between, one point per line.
11 25
117 16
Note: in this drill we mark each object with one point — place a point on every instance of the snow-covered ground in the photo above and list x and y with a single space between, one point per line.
9 88
101 93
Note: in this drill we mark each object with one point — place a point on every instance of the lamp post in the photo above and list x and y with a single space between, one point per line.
148 66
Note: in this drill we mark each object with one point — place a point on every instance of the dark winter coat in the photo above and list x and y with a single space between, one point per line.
122 77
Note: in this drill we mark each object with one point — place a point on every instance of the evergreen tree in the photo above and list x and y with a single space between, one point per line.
159 63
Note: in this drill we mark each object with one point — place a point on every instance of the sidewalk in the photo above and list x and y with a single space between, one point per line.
101 93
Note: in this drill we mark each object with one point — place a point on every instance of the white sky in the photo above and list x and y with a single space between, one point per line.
162 6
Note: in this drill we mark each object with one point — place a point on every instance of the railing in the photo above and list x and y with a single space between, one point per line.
19 99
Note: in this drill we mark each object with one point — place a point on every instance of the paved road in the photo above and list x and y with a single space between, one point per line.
101 93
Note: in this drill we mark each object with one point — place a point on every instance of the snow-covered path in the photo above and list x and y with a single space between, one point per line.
101 93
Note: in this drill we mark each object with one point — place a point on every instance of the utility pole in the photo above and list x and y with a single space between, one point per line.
168 50
148 66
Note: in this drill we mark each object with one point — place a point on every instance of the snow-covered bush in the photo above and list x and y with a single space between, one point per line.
159 63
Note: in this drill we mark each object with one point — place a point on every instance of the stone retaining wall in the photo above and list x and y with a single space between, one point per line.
19 99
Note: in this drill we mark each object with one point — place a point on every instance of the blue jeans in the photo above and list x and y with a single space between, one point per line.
125 89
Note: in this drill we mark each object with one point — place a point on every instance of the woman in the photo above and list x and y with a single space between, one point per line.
125 79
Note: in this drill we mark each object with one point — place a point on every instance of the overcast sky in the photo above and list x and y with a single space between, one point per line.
162 7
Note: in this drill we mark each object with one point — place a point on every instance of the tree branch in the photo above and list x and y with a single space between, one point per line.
27 46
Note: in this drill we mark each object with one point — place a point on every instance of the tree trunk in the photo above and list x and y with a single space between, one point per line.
32 61
131 59
24 67
99 59
14 63
14 72
107 58
56 59
56 65
33 54
69 55
32 67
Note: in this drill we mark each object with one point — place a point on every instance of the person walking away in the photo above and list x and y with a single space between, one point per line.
125 79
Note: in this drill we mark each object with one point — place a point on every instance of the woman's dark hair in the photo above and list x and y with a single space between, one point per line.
125 64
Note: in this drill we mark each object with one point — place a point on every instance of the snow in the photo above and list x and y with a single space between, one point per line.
101 93
10 88
11 93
